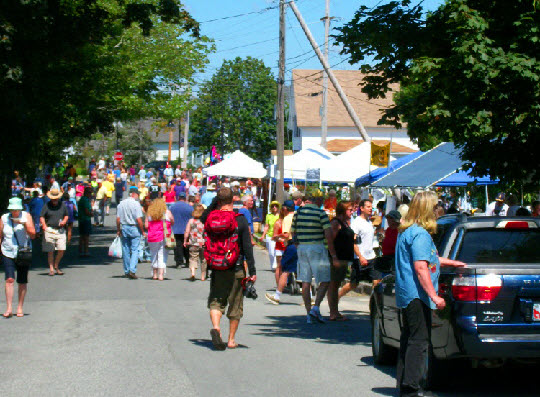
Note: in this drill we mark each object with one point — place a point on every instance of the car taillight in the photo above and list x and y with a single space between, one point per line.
480 288
488 287
464 289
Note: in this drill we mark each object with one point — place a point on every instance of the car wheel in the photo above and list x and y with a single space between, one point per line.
382 353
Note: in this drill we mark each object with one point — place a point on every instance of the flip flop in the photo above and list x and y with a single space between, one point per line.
51 273
20 314
8 315
339 318
234 347
216 340
59 272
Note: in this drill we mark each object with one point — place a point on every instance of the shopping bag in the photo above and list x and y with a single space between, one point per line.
170 241
115 249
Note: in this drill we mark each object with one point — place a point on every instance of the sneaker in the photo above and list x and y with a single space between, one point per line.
316 315
271 298
308 319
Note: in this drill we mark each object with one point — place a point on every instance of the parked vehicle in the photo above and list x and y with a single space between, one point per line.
492 311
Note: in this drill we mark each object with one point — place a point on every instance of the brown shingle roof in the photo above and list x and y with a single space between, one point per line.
342 145
308 99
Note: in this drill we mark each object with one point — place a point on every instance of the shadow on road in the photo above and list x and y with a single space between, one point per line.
351 332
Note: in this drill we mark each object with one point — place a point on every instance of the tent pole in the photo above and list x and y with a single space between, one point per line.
269 194
487 198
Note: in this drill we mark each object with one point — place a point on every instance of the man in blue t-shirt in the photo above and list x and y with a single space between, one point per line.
247 202
181 212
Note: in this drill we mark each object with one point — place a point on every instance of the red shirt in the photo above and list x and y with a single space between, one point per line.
389 242
170 196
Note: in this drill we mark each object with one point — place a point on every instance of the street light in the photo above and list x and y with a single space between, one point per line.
116 125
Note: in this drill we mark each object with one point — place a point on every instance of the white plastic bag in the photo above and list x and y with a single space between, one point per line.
115 249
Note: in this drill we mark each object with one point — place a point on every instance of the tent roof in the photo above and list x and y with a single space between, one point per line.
426 170
349 165
462 178
377 174
238 165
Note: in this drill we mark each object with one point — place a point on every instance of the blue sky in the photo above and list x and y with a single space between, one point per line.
256 34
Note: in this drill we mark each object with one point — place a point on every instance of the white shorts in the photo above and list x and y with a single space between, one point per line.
313 262
55 240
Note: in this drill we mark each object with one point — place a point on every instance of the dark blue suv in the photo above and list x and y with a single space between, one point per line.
492 308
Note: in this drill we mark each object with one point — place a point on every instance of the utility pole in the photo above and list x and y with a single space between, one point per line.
324 119
186 132
331 76
280 191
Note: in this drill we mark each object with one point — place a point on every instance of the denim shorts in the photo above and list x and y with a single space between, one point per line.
313 262
10 268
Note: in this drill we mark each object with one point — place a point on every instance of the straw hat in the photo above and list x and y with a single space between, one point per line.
54 194
212 186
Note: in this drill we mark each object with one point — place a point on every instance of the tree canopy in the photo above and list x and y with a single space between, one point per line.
70 67
235 110
469 73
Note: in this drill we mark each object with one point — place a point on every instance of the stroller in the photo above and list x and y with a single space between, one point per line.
289 262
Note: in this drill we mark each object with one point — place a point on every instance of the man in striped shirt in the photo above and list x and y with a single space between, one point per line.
310 228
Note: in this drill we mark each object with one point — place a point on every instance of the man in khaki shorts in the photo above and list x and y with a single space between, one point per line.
53 219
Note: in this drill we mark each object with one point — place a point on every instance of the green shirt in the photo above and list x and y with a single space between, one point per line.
309 224
270 220
83 205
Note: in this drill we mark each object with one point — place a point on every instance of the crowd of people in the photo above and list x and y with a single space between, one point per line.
325 245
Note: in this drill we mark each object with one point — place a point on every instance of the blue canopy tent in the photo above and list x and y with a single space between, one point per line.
378 173
431 168
462 178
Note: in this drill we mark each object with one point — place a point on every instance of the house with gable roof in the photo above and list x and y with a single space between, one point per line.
305 104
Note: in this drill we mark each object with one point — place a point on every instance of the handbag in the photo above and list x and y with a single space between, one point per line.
24 254
170 241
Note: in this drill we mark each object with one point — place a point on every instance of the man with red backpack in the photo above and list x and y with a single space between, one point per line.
227 245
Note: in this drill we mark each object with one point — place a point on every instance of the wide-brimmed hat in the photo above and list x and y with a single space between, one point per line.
212 186
15 204
54 194
297 194
275 203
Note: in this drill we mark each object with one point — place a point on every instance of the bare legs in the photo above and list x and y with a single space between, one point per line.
333 299
54 262
306 294
278 270
9 298
215 317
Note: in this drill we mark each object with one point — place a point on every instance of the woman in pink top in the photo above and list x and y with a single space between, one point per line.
157 215
170 196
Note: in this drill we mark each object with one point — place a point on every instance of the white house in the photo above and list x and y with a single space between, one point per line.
305 106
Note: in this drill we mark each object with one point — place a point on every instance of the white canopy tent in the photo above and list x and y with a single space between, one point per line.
237 165
348 166
297 164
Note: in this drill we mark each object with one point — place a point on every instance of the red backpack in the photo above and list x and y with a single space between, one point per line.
221 249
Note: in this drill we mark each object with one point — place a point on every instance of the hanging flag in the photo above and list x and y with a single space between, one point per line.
380 154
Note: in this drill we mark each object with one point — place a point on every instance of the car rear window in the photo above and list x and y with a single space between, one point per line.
443 225
500 246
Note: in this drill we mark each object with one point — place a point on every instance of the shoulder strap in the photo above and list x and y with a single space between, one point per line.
14 232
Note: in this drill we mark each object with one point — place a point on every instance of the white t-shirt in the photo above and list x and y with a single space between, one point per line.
365 230
491 210
177 172
101 164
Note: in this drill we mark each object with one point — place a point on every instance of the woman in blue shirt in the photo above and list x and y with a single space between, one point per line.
417 275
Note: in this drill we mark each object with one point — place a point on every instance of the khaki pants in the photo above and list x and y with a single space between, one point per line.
196 254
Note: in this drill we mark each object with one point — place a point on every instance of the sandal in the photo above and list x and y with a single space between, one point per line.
19 314
216 340
59 272
339 317
8 314
51 273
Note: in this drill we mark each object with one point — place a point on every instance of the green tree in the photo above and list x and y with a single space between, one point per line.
235 110
469 73
65 71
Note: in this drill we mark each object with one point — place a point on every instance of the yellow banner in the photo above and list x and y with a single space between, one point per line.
380 155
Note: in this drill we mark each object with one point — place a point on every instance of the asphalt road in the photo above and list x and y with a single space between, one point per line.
93 333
